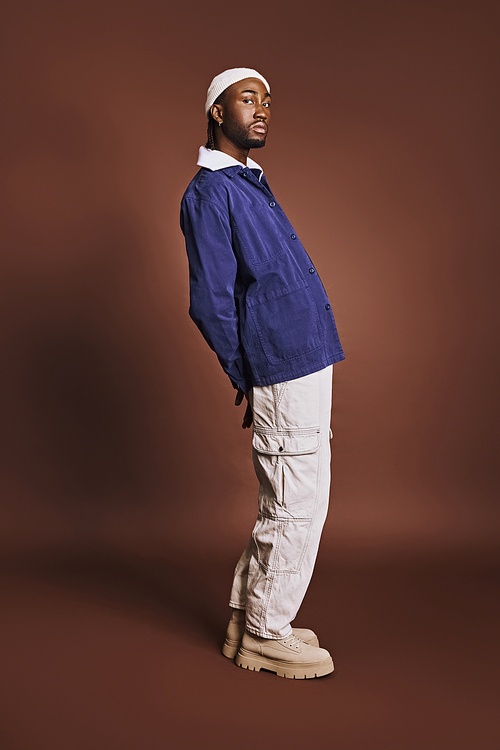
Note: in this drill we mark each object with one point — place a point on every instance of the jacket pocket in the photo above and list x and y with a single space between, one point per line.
287 322
251 232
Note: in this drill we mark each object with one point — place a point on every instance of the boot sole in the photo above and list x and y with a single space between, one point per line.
307 671
231 648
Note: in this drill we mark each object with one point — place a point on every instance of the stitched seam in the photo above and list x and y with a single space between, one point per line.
267 598
291 519
282 393
219 208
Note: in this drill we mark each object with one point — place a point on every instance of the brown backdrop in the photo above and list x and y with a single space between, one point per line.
121 449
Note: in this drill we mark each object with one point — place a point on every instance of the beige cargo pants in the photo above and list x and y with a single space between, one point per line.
291 455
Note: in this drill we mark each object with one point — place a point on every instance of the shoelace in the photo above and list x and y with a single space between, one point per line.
292 641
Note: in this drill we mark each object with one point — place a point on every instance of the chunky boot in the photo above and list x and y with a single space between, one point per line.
289 657
236 628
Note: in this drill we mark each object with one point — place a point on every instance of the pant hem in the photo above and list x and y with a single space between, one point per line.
266 635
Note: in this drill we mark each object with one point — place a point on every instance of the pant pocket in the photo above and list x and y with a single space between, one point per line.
287 467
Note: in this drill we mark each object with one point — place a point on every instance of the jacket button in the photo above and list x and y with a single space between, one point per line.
272 204
293 236
280 449
327 307
311 270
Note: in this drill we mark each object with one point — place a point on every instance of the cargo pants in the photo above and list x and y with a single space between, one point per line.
291 456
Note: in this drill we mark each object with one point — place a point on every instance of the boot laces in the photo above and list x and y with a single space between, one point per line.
292 641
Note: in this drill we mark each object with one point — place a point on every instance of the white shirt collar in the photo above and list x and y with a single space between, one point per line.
215 160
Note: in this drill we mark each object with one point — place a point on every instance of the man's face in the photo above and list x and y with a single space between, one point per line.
246 111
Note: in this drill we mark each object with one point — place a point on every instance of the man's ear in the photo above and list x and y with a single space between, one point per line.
216 112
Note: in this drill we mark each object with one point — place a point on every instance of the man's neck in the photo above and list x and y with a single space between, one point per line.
231 149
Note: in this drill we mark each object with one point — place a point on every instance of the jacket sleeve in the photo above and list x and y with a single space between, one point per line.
212 275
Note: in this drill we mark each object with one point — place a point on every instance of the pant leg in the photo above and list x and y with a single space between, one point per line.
291 453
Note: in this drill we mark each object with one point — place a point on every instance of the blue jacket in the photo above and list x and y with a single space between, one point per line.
255 294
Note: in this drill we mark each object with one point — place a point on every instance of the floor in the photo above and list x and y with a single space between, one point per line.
104 650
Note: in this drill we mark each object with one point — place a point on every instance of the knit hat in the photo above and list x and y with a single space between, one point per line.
221 82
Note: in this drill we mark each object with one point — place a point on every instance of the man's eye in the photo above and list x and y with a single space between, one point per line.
266 104
247 100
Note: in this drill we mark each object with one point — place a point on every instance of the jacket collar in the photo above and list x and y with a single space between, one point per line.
215 160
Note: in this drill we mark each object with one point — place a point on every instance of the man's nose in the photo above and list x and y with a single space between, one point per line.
260 111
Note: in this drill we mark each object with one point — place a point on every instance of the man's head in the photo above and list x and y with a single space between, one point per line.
238 109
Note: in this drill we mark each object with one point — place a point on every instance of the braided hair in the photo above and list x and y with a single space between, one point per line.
210 133
212 125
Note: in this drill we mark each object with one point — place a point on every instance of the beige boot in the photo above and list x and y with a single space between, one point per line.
289 657
236 628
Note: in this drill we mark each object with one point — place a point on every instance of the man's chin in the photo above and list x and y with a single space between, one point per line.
255 142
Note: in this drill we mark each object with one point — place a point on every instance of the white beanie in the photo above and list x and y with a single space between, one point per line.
227 78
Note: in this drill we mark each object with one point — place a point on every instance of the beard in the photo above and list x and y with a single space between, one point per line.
240 135
255 142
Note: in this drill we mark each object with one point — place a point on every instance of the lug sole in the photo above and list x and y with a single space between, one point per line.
231 648
307 671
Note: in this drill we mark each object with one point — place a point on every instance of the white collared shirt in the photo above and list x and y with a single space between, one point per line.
215 160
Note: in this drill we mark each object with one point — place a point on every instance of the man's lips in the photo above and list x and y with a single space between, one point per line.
259 127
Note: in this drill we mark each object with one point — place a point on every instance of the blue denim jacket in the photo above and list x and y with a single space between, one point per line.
255 294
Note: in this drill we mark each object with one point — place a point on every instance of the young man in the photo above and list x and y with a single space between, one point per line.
258 301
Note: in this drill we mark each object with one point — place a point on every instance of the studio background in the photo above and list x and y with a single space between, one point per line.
127 485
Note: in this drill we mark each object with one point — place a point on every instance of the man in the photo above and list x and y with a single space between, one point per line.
258 301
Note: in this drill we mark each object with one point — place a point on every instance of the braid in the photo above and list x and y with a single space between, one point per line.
211 125
210 133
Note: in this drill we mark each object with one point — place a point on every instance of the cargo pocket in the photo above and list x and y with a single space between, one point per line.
287 467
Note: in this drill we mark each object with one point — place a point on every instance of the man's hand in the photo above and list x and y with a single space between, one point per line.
248 418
